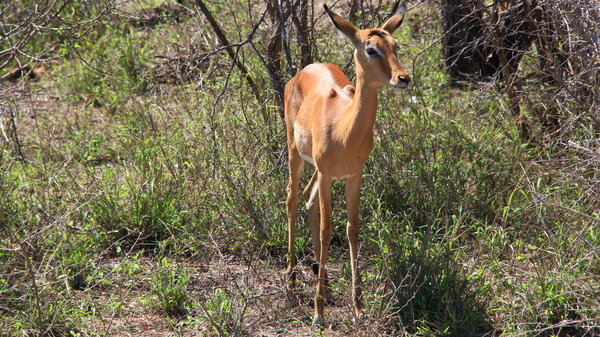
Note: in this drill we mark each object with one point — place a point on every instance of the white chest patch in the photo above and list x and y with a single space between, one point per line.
303 140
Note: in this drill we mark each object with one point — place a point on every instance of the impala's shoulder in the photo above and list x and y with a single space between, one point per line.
345 92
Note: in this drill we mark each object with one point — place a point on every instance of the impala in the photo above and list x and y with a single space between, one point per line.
330 124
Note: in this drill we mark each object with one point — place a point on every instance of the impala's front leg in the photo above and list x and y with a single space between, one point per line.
325 234
311 196
352 197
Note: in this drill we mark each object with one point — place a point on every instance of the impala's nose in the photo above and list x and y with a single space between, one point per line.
402 81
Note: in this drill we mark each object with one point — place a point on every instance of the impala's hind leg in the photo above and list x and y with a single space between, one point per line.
295 166
352 196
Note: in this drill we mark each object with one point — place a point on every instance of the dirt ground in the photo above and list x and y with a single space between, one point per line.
243 296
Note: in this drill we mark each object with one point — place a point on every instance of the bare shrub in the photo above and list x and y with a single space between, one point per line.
34 31
546 54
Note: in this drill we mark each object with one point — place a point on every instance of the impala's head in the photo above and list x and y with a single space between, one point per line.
375 52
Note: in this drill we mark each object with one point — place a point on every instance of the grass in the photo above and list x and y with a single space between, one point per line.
149 206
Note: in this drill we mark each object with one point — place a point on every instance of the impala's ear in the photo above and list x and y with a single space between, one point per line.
343 26
395 21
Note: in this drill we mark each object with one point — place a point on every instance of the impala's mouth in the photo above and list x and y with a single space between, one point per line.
402 86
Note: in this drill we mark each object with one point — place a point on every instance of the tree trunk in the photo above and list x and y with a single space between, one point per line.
274 51
465 53
300 18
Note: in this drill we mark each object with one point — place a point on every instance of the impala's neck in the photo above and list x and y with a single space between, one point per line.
363 110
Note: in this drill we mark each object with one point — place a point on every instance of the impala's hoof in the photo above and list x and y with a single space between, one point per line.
315 268
319 323
362 317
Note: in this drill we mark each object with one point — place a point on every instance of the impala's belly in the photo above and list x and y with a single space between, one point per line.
344 176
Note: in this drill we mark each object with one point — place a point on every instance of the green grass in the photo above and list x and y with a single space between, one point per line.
140 197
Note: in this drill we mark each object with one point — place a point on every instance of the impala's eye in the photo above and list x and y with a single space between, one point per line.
372 52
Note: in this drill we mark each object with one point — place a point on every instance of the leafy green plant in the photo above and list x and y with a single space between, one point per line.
224 313
76 261
110 69
169 285
433 294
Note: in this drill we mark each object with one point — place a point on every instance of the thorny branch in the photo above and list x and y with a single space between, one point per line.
15 38
233 54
